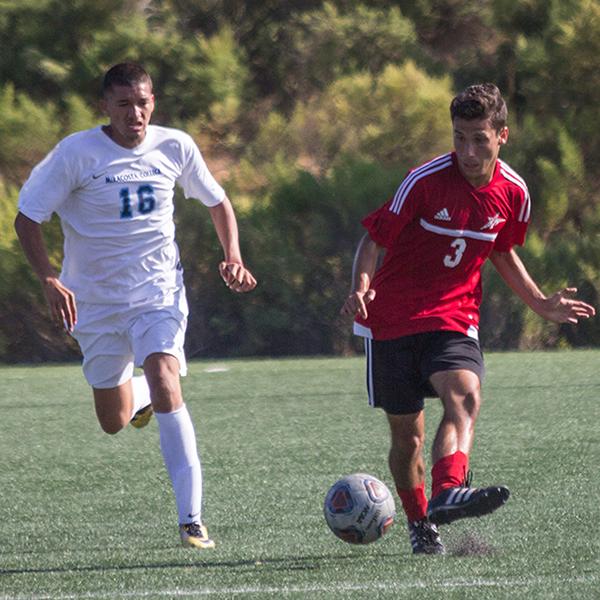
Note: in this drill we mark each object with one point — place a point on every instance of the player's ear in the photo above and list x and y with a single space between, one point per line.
503 135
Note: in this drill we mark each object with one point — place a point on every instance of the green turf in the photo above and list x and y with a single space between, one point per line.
87 515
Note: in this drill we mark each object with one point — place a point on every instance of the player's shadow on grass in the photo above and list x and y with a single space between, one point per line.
296 563
465 545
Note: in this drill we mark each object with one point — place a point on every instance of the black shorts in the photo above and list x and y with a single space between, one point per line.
398 370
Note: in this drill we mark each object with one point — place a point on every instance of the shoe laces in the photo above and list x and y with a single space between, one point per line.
194 530
426 531
468 478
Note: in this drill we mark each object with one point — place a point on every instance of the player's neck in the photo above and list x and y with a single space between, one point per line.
478 182
481 180
122 140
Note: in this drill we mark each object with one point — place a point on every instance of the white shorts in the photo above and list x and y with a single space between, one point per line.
115 338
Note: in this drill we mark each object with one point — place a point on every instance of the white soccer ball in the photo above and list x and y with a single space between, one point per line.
359 508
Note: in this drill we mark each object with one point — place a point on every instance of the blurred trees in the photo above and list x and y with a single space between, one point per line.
310 112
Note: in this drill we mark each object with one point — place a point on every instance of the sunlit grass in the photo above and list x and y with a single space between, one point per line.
87 515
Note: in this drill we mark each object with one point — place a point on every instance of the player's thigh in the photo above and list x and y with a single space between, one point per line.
451 351
161 330
453 364
107 353
107 363
457 383
393 379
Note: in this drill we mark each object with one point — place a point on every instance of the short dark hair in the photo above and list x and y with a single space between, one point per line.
481 101
127 74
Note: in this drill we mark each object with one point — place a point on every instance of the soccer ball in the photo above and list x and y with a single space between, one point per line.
359 508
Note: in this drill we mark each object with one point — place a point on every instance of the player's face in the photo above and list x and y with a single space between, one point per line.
129 109
477 144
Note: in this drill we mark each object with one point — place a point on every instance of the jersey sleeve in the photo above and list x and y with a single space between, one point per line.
196 180
513 233
385 224
49 185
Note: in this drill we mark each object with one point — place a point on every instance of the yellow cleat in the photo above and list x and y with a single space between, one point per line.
142 417
194 535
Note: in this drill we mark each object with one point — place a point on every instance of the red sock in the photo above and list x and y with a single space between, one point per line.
414 502
448 472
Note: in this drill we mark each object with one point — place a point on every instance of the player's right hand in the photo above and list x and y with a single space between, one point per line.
356 302
61 302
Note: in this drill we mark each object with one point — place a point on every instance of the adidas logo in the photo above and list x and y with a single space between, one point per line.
442 215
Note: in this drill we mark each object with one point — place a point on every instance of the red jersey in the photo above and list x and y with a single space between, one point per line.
438 230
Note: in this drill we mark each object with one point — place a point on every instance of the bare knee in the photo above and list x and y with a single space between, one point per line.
163 386
461 406
162 373
407 436
460 392
113 421
111 427
472 403
113 407
408 445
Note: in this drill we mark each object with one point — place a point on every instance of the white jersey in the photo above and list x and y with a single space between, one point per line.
116 210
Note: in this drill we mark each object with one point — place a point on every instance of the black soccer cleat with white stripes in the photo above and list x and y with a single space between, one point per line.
425 537
463 502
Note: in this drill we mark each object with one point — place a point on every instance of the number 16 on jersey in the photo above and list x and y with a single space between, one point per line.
145 201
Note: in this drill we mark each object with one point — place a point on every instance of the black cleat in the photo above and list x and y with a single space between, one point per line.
425 537
462 502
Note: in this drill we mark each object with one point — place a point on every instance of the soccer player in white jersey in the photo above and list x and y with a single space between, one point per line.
121 291
419 311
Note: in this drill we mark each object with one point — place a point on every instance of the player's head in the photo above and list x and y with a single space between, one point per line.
128 101
126 74
479 118
478 102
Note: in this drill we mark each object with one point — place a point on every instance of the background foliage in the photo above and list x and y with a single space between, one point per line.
310 113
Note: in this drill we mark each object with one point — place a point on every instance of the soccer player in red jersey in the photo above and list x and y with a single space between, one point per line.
419 310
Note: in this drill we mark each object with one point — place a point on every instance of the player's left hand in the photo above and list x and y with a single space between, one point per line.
237 277
562 307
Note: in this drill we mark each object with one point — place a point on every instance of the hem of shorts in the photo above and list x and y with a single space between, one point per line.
134 303
365 331
181 359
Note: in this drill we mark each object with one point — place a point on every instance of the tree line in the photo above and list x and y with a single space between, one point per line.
309 113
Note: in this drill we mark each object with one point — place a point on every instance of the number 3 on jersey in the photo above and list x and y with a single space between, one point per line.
145 201
459 246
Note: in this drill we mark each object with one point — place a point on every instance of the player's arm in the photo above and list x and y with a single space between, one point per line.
60 299
560 307
363 269
232 269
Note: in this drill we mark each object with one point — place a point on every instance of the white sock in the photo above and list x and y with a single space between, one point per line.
178 445
141 393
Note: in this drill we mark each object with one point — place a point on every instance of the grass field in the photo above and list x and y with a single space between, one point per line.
91 516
